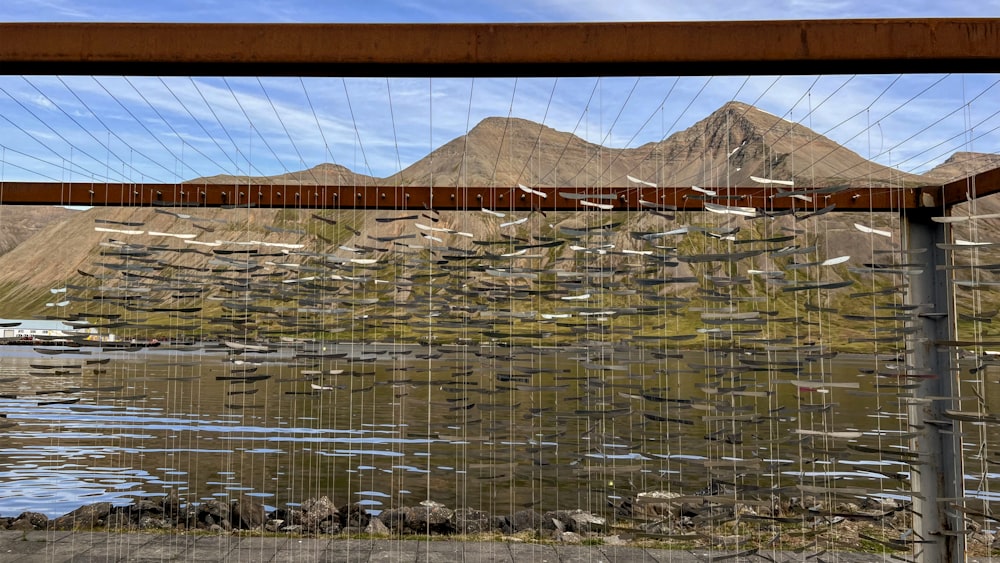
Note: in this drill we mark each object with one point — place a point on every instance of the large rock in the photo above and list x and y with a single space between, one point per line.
395 519
316 515
127 517
583 522
554 521
472 521
213 513
146 507
86 517
353 516
578 521
321 506
502 524
430 518
28 521
375 527
526 521
247 514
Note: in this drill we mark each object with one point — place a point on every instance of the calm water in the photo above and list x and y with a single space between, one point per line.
491 428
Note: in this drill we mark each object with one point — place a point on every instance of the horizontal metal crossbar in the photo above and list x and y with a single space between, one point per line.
868 46
467 198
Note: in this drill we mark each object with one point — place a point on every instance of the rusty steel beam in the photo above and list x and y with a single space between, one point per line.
965 189
440 198
522 49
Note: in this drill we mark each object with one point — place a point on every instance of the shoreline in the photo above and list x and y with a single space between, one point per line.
662 522
59 547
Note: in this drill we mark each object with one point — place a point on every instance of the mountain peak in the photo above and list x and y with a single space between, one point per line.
739 140
498 124
755 122
325 173
963 164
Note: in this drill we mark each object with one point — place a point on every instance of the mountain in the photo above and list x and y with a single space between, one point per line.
501 151
18 224
326 173
48 246
962 165
726 148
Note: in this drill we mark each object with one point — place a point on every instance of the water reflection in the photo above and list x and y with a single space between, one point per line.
386 428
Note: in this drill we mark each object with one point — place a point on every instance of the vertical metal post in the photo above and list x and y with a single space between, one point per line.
938 478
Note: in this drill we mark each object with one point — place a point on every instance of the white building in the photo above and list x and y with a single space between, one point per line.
17 329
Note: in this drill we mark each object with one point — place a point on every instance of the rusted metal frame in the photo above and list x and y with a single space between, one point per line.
528 49
803 47
867 46
440 198
965 189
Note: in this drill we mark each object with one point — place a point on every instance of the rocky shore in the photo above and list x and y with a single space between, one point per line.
658 518
314 517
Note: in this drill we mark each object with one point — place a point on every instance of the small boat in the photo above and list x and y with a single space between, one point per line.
59 350
132 344
247 347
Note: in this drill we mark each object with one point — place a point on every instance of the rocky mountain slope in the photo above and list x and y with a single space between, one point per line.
18 224
726 148
51 246
962 165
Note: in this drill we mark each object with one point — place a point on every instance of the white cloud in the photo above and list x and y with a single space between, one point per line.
711 10
243 128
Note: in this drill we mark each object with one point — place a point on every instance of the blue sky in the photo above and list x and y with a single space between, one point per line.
347 11
148 129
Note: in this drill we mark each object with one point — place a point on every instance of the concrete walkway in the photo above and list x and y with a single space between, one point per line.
93 547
